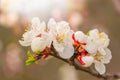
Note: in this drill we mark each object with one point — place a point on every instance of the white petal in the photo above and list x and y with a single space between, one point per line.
51 24
35 23
63 26
108 53
100 67
88 60
94 33
42 27
106 58
101 51
27 36
38 44
57 46
104 35
49 39
104 40
67 38
91 48
80 36
25 43
106 43
67 52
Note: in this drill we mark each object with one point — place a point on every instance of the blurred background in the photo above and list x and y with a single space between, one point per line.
15 16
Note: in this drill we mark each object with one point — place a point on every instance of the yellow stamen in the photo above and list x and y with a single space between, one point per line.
97 56
22 38
99 34
45 30
60 38
26 30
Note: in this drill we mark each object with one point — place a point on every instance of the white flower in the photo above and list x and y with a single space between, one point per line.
90 47
88 60
40 43
96 46
62 34
37 36
97 41
103 54
101 59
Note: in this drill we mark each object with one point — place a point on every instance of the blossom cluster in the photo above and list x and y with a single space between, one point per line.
92 48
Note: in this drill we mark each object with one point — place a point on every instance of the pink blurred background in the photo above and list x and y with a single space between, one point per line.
15 16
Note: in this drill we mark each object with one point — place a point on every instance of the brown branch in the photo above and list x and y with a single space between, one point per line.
72 62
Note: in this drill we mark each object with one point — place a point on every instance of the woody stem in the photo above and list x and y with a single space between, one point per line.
72 62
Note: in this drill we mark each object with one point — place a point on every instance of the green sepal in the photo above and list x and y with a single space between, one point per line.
30 59
37 52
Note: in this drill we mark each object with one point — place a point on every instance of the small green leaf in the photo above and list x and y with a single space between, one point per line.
29 54
88 33
30 59
29 62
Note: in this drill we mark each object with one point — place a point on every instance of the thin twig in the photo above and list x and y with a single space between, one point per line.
72 62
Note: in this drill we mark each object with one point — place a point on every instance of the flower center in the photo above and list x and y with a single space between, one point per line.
60 38
99 34
46 30
97 56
